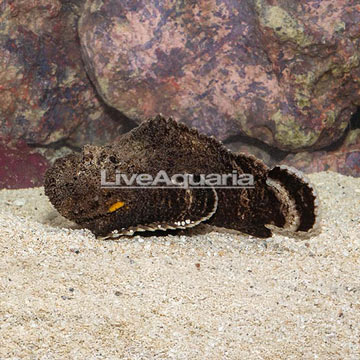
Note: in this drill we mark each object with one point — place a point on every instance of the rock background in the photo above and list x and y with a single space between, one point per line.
276 78
286 73
47 102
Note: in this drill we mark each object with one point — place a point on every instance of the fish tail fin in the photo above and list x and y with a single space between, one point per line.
299 204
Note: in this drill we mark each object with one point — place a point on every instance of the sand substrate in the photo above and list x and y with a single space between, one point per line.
204 294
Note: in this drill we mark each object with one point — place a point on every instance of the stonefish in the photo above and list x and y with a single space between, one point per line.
278 198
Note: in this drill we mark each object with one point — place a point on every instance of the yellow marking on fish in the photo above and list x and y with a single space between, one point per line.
116 206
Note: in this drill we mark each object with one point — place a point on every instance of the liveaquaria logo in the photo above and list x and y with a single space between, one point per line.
184 181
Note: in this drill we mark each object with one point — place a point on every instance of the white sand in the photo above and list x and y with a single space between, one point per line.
197 295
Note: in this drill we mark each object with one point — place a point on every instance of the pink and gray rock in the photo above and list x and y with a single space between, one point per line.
284 72
46 98
344 159
45 95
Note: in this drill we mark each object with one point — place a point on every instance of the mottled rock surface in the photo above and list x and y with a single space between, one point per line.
343 156
281 73
46 97
284 72
344 159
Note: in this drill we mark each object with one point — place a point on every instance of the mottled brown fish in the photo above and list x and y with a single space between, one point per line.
279 198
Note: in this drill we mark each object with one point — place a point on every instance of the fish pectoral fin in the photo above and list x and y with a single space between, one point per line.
200 205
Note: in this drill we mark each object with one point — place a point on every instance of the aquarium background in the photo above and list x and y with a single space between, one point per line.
277 79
